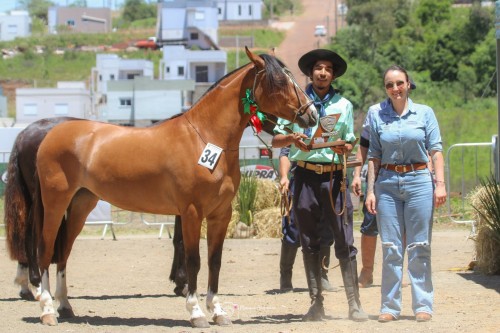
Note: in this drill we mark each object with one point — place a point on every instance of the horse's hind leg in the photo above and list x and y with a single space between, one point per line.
23 281
216 232
81 206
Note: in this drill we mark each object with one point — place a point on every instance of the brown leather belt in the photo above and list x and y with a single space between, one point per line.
402 168
319 168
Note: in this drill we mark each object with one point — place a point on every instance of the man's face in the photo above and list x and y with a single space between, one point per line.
322 75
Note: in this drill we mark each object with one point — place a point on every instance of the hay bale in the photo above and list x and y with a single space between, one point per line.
486 246
267 223
268 195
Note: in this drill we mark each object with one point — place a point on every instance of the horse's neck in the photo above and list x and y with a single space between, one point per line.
218 116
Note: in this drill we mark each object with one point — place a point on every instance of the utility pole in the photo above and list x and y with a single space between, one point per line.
496 152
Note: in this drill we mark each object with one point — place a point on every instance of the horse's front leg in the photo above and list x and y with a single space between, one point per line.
178 271
48 316
216 233
191 227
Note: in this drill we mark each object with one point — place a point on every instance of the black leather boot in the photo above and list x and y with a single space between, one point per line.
287 259
312 267
324 257
349 270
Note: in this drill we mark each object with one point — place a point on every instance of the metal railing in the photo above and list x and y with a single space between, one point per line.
470 155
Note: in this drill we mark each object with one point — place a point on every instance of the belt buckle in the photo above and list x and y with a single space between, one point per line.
398 166
319 168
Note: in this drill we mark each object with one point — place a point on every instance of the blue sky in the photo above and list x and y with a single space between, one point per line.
7 5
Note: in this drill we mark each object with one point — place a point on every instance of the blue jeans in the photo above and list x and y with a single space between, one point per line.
405 205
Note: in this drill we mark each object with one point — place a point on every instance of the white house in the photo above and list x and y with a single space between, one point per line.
70 99
143 98
110 67
188 22
17 24
203 67
239 10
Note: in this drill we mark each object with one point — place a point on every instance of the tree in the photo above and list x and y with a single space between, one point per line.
37 8
137 10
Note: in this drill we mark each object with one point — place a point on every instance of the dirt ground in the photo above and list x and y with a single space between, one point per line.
122 286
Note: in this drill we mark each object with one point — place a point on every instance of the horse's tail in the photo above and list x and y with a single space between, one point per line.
17 206
34 227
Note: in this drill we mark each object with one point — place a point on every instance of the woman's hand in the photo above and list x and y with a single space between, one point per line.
439 194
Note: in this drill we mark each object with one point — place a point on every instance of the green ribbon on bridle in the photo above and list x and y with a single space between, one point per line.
250 107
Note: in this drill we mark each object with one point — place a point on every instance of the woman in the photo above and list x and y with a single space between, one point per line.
401 191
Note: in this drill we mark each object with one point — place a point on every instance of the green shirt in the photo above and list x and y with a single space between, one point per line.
344 129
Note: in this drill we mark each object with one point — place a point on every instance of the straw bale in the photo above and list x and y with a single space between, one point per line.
487 248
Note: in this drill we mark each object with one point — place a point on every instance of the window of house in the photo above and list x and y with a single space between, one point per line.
112 76
200 16
70 22
220 10
180 71
194 36
239 10
167 70
131 76
250 10
201 73
100 77
125 101
30 109
12 29
61 109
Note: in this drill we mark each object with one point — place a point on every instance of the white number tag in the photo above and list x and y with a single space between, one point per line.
210 156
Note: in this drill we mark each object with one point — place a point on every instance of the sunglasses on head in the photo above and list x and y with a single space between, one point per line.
390 85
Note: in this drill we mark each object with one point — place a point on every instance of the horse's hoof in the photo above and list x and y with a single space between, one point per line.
49 319
66 313
27 295
222 320
200 322
179 291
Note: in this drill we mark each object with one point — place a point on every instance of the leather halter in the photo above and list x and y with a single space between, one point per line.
302 107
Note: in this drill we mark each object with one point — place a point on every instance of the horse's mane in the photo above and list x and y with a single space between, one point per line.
275 77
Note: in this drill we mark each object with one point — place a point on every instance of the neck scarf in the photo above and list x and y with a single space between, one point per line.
319 104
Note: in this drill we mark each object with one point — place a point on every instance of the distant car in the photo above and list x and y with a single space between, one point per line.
320 31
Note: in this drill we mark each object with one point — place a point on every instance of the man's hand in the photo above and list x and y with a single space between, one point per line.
298 141
284 184
371 203
342 149
356 185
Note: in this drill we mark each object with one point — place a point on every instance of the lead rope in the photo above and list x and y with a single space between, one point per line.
343 184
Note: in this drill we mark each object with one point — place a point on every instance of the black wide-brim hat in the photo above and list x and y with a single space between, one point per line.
307 61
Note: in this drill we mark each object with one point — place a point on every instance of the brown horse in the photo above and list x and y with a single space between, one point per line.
188 166
18 203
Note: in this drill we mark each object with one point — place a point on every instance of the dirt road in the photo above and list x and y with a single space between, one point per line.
121 286
300 33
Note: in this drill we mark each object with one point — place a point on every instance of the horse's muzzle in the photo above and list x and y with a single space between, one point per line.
307 115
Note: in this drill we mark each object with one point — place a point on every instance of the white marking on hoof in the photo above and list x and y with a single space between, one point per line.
48 316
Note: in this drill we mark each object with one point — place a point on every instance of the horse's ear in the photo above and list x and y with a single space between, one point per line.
272 51
258 61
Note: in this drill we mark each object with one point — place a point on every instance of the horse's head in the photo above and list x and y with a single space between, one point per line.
276 92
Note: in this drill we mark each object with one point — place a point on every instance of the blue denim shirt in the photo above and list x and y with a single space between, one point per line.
365 132
404 139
